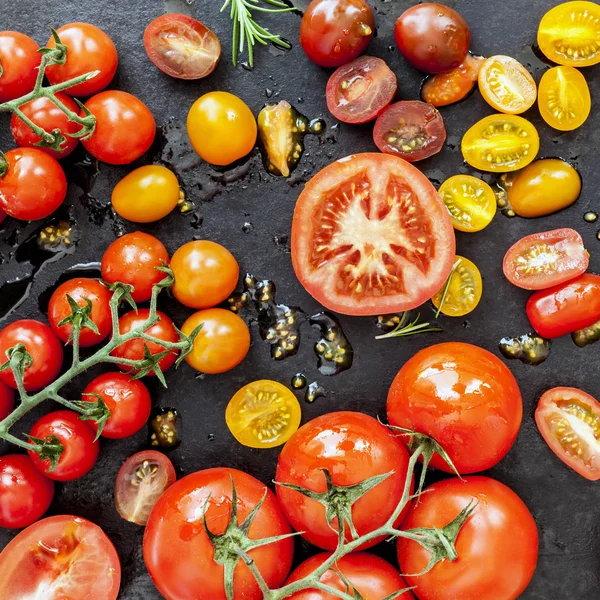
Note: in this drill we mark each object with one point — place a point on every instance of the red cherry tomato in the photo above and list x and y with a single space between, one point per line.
7 400
88 49
77 438
334 32
19 59
125 127
34 185
25 494
43 346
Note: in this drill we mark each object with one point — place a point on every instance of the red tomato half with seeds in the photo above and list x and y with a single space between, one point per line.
20 59
371 236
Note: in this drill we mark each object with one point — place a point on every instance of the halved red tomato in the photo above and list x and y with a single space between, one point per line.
371 236
358 91
58 558
410 129
541 260
569 421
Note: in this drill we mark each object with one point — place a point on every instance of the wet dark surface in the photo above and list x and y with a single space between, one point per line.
249 211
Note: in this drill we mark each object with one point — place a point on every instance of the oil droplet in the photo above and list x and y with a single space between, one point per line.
185 205
316 126
165 428
530 348
333 350
314 391
500 187
590 217
586 336
299 381
247 227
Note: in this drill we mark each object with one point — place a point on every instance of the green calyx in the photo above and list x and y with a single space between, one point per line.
79 317
48 448
96 411
4 165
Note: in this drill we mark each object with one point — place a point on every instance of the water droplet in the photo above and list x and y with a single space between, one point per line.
268 92
590 217
299 381
247 227
211 437
246 65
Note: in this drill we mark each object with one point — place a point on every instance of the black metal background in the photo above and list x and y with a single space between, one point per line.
565 505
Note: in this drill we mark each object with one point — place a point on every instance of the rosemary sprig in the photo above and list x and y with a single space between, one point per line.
405 328
447 287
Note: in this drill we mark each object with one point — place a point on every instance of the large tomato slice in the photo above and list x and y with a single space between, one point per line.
370 236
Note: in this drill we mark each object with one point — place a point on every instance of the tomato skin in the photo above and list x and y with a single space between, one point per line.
353 447
44 347
77 437
88 49
133 259
465 398
19 58
34 185
7 400
125 128
334 32
25 494
566 307
178 553
497 547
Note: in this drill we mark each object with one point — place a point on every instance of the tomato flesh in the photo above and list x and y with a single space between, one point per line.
470 201
463 292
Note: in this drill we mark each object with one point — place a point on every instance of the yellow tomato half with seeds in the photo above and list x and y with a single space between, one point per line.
470 201
463 293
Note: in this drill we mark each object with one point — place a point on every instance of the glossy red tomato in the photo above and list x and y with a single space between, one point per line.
20 59
44 348
125 127
7 400
34 185
497 547
81 289
128 401
58 558
180 557
566 307
77 438
334 32
25 494
353 447
432 37
88 49
462 396
371 236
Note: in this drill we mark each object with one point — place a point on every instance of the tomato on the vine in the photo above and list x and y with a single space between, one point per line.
463 292
7 400
20 59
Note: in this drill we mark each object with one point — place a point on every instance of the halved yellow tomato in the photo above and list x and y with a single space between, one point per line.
464 290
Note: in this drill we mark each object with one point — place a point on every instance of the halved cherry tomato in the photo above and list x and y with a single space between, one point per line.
500 143
566 307
181 46
57 558
19 60
564 98
569 421
371 236
464 291
541 260
410 129
7 400
358 91
140 482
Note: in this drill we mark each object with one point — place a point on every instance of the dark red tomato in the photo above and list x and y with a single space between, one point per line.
178 553
372 577
44 113
181 46
462 396
125 127
43 346
128 401
19 60
77 437
433 37
566 307
7 400
541 260
410 129
569 421
334 32
88 49
34 185
359 91
25 494
497 547
352 447
80 290
134 349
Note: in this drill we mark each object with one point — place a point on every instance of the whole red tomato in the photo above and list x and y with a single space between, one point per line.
44 347
178 553
20 59
7 400
497 547
352 447
25 494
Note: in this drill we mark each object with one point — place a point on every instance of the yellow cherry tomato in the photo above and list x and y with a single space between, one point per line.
470 201
263 414
464 291
564 100
221 128
542 188
501 143
507 85
146 194
569 34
